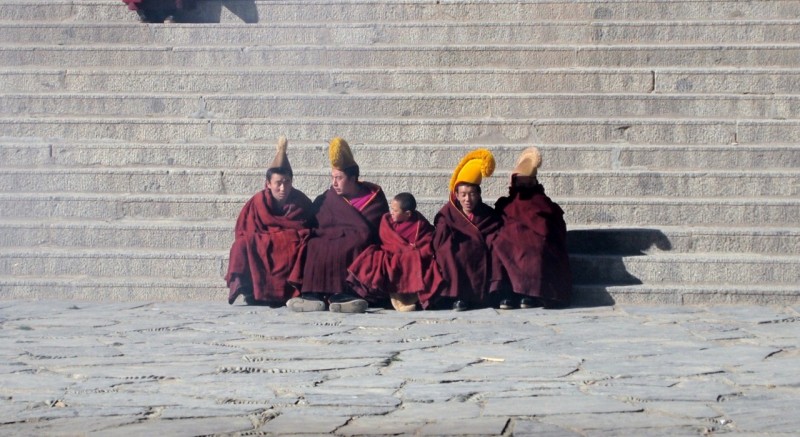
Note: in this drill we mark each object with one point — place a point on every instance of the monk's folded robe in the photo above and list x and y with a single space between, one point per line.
343 229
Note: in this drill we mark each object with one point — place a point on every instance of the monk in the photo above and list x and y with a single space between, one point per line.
158 11
532 244
465 230
401 268
268 233
347 218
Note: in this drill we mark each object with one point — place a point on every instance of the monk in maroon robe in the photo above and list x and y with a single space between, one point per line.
268 233
158 11
402 267
532 244
347 219
465 230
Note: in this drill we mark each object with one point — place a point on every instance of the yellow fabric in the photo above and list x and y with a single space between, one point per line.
340 155
281 159
474 166
528 162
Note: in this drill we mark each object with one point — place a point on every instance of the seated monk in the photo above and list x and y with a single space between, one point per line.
347 219
268 233
532 244
401 268
465 229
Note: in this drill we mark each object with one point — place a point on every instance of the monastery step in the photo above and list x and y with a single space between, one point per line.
233 79
218 236
227 155
635 211
407 106
424 183
418 33
377 11
391 130
685 294
411 56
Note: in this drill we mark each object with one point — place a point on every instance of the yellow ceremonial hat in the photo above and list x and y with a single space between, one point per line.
528 162
474 166
281 159
340 154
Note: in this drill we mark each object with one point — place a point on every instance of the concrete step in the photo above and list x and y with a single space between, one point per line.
226 155
708 268
644 211
732 269
423 183
474 131
685 294
615 240
408 106
379 11
389 57
770 81
417 33
218 236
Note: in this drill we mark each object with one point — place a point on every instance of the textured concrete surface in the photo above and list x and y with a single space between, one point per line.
206 368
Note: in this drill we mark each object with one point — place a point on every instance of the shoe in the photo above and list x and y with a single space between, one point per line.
459 305
507 304
347 303
247 293
529 302
404 302
305 303
169 20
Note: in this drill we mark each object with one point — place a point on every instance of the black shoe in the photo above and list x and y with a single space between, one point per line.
530 302
507 304
347 303
306 302
248 296
459 305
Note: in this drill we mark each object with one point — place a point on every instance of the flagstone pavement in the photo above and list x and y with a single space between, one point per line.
206 368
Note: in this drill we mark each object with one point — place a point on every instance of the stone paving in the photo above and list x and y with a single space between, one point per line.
206 368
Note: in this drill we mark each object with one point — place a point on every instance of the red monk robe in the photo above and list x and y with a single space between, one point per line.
532 245
403 262
463 251
343 229
266 246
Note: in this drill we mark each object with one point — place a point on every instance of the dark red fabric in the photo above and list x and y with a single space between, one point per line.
532 245
399 264
340 234
266 244
463 251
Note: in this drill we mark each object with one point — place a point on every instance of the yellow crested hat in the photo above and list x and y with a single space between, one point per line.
340 154
528 162
281 159
474 166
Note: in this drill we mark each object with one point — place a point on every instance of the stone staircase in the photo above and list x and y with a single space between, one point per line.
669 131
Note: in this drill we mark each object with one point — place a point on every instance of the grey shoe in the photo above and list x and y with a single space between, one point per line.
306 302
347 303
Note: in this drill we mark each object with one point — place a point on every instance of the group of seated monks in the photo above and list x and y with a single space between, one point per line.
351 249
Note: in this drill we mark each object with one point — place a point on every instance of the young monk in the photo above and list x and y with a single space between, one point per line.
465 230
268 233
347 219
532 244
401 268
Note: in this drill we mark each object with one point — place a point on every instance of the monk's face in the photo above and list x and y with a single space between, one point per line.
468 197
342 184
397 213
280 186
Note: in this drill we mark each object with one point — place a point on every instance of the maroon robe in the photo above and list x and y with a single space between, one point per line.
266 244
532 245
463 251
402 263
340 234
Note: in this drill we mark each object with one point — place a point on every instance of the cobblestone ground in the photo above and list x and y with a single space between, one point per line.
80 368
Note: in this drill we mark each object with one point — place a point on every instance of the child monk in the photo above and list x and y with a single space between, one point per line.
401 268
